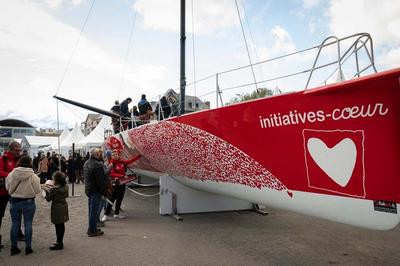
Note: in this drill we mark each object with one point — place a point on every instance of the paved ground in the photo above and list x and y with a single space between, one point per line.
230 238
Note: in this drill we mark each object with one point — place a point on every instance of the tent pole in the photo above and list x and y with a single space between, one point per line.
58 130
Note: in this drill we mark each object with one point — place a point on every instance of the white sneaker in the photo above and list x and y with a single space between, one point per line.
105 218
118 216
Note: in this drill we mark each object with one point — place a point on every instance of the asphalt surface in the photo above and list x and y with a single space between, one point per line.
226 238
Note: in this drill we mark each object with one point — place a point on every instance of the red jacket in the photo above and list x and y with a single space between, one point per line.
119 167
7 164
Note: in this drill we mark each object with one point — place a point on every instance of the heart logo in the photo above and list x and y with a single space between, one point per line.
337 162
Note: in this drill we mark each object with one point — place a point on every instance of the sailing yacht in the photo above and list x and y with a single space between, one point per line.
331 152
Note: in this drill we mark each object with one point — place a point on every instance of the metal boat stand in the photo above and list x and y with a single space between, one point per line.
177 198
257 209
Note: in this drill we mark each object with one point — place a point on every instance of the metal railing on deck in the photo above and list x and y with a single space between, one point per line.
360 41
353 49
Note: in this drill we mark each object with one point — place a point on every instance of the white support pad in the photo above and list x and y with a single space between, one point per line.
189 200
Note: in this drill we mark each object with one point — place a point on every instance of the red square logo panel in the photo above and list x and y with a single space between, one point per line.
335 161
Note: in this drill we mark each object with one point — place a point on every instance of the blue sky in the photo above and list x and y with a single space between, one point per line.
38 37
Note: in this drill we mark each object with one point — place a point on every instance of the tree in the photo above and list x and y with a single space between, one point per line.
258 93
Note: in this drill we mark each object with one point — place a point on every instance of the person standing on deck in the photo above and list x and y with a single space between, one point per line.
115 121
145 109
124 110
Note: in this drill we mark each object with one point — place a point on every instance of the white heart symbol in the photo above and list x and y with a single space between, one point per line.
337 162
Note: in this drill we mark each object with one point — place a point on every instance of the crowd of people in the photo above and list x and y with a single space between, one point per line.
104 175
45 165
138 115
22 179
19 185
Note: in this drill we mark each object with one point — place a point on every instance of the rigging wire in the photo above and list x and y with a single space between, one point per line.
81 115
342 62
247 47
258 63
127 53
75 47
252 39
200 80
66 69
141 194
194 59
78 115
268 80
58 130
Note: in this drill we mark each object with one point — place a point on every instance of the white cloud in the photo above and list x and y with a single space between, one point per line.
77 2
312 25
391 58
33 55
209 16
53 4
282 43
309 4
37 32
381 20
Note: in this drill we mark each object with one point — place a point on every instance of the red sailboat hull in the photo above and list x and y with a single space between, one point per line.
331 152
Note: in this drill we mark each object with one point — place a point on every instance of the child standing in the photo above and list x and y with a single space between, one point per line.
59 207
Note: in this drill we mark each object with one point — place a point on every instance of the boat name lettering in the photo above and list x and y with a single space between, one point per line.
295 117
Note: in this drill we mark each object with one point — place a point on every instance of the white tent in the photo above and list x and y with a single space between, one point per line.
96 137
63 136
74 137
33 144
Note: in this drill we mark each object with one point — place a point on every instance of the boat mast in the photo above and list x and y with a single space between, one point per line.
182 63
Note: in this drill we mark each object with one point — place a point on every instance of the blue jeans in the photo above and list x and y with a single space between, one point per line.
101 206
93 211
19 208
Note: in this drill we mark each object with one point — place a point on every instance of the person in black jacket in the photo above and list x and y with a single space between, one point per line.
165 111
71 169
57 194
115 121
144 106
78 161
95 187
124 110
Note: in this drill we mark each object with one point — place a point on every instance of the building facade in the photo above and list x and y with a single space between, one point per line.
13 129
92 120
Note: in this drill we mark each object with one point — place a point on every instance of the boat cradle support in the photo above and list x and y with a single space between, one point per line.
176 199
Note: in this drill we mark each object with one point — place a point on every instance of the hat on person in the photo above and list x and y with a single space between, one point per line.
108 153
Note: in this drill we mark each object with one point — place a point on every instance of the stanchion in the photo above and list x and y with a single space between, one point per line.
73 181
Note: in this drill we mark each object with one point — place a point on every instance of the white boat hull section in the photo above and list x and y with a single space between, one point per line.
176 198
357 212
149 174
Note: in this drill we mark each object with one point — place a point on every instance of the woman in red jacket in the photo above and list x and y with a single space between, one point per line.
117 174
7 164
